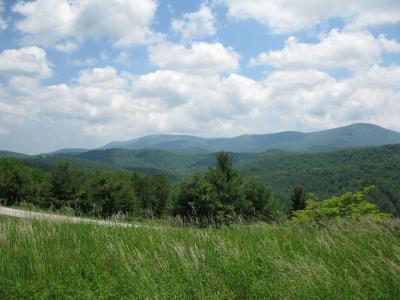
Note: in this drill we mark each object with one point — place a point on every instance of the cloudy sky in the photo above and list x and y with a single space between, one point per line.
81 73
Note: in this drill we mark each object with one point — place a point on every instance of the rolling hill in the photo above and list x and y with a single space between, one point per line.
352 136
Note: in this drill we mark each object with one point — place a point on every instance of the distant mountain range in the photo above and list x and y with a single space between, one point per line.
352 136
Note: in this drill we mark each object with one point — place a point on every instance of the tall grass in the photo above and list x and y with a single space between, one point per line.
342 260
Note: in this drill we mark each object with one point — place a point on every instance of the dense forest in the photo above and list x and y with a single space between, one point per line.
216 195
334 173
322 174
265 186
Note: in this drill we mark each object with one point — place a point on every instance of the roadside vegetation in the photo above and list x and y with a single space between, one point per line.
342 259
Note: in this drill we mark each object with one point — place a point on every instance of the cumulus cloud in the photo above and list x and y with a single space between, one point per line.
118 105
202 97
106 77
355 51
29 61
291 16
195 25
49 22
200 57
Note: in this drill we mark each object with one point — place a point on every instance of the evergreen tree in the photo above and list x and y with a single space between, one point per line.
298 198
63 186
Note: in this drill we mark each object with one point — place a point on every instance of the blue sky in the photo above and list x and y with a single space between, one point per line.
86 72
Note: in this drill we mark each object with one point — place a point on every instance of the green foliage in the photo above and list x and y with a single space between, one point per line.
113 192
298 198
196 199
349 205
152 193
255 198
333 173
15 182
220 194
323 174
222 191
63 186
100 193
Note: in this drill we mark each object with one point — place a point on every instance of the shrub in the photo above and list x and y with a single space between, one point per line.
348 205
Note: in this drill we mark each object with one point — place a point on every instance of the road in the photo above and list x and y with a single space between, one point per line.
19 213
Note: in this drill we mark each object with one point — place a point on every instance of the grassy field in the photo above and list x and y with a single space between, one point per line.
342 260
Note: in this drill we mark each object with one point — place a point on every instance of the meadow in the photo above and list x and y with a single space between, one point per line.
336 260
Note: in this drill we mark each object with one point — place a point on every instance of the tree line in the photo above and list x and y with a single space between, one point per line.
218 195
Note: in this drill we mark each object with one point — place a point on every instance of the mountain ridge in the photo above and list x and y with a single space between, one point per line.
356 135
350 136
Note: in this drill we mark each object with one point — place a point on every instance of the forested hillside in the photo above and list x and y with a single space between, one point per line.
322 174
332 173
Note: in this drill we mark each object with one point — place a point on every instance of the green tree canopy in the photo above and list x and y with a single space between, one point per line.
15 181
221 193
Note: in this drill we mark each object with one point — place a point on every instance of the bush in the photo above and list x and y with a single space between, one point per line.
348 205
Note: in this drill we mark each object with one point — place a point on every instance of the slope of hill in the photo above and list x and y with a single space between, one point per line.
333 173
175 165
323 174
355 135
4 153
49 162
69 151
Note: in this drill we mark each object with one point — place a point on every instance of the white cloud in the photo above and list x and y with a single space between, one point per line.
3 23
49 22
200 57
196 25
106 77
23 85
67 46
117 105
312 99
291 16
355 51
29 61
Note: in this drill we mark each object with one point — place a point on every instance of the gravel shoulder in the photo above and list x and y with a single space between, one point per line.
24 214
